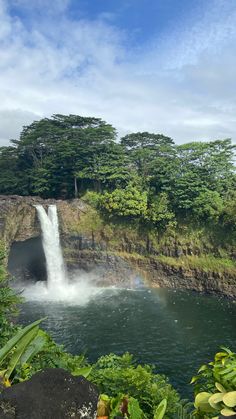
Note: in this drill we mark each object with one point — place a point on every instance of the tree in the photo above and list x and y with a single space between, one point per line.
201 167
229 210
184 191
9 178
212 162
144 147
208 205
56 149
159 210
128 202
145 175
107 168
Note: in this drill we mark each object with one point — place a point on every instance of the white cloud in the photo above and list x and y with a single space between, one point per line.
183 87
11 122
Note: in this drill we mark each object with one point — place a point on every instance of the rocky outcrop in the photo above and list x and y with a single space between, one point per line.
50 394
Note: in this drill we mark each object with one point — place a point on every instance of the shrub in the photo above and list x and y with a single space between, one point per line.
116 375
8 302
215 386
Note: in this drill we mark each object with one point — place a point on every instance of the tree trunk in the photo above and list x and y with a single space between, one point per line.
76 187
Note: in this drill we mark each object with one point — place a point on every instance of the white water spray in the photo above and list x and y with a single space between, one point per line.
56 273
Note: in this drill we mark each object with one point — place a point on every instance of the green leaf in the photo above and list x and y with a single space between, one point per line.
20 349
229 352
215 399
203 368
220 355
160 411
220 387
202 402
134 409
36 345
229 399
13 341
194 379
227 412
230 375
82 371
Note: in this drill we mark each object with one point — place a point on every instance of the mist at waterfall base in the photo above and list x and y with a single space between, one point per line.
80 288
174 330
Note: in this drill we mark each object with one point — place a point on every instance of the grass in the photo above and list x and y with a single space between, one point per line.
208 263
130 256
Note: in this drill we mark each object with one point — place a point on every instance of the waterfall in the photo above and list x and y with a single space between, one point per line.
56 273
77 287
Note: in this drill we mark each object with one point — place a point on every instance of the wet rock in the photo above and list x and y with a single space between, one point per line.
50 394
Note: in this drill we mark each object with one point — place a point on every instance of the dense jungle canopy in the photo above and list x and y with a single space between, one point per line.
142 176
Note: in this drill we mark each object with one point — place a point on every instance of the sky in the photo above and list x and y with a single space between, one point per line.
163 66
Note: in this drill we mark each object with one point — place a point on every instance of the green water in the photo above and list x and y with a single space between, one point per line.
176 331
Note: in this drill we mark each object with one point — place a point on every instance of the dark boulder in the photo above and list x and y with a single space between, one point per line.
50 394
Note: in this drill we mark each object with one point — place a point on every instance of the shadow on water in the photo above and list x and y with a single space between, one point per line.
176 331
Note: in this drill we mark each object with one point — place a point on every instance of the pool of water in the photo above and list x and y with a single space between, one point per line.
176 331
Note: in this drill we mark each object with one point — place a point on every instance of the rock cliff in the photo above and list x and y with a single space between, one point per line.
117 251
19 221
82 248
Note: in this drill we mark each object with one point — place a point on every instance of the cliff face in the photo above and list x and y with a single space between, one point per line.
19 225
163 275
19 221
117 251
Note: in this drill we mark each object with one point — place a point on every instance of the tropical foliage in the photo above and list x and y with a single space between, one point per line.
215 386
8 302
143 176
20 349
120 376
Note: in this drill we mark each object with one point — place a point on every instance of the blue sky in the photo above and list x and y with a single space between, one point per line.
141 19
160 65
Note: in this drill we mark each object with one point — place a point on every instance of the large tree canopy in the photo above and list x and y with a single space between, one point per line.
52 151
143 175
